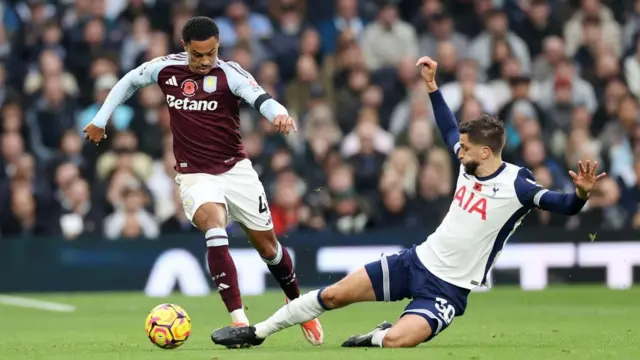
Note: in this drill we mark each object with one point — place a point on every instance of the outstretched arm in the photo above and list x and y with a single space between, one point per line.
243 85
446 121
533 194
145 75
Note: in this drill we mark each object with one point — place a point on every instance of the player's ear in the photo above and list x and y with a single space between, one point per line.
486 152
184 44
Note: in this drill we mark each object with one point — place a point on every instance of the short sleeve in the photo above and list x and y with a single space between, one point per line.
527 189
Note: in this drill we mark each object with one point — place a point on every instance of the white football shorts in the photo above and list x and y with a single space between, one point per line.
239 189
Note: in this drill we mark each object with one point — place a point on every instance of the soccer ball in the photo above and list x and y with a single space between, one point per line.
168 326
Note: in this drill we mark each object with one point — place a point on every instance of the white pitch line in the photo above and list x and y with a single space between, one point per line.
35 304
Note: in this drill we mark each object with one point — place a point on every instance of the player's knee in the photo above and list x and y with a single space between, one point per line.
335 297
266 244
209 216
396 339
268 251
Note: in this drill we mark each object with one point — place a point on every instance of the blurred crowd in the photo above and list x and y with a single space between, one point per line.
564 76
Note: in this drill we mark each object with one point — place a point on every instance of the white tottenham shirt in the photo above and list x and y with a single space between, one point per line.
484 213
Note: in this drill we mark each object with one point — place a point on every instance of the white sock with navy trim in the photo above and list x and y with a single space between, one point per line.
378 337
298 311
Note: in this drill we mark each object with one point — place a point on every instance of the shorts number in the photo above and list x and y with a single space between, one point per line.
445 310
262 206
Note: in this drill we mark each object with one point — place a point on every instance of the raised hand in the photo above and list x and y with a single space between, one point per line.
586 178
284 124
428 71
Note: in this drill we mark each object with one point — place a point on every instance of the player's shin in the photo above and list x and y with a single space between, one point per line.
298 311
224 274
281 267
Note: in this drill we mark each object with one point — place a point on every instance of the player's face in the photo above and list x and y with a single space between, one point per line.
471 155
202 54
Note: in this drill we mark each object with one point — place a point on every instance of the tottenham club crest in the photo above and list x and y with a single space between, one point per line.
209 84
189 87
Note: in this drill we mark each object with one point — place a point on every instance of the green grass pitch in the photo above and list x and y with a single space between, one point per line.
505 323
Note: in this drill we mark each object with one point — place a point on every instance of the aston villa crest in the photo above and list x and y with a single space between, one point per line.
210 83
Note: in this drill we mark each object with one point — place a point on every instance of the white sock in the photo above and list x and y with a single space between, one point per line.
298 311
216 237
378 336
238 316
276 260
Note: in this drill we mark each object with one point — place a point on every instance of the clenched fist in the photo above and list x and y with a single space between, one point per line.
428 72
94 134
284 124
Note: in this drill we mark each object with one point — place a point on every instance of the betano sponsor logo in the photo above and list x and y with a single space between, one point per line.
191 105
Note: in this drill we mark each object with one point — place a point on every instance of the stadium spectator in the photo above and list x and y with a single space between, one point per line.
596 10
122 116
419 137
135 43
24 216
238 13
287 207
395 212
468 84
124 154
79 215
387 40
50 116
433 195
367 161
447 56
442 29
553 49
161 184
497 32
345 213
50 65
176 223
130 219
347 17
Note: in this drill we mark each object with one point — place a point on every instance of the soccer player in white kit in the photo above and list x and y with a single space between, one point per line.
491 200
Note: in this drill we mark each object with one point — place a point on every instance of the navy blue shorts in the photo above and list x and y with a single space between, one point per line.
403 276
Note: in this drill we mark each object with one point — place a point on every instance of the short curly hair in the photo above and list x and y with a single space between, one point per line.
200 28
486 130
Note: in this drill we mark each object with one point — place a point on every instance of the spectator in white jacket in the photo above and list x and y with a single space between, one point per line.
497 28
573 33
131 220
388 40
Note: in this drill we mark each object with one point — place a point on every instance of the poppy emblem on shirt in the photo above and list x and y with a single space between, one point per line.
189 87
477 187
210 83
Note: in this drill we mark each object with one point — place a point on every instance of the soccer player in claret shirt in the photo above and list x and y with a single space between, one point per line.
491 199
214 175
